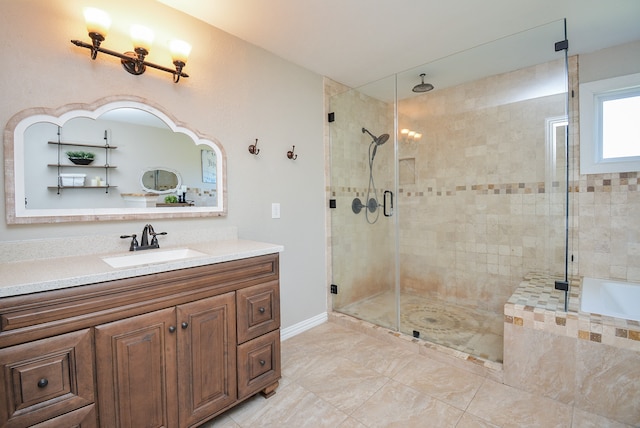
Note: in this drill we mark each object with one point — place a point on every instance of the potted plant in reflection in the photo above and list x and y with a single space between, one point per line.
81 158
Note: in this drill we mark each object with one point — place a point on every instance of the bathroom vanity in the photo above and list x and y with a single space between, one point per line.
167 345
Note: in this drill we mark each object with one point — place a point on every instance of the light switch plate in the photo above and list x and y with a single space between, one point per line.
275 210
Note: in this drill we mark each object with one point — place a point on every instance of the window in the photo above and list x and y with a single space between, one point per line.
610 125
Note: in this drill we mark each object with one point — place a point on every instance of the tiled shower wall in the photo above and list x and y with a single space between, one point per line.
478 210
361 252
484 203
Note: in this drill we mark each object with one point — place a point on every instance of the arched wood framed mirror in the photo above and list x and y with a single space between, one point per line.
125 136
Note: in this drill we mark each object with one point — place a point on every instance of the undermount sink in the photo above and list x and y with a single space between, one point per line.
152 256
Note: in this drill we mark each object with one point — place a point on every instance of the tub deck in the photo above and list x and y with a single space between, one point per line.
536 304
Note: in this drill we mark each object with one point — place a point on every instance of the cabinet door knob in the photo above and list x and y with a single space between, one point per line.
262 362
42 383
261 310
172 329
185 324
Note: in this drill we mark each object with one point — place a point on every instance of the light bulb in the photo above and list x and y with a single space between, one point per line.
98 21
180 51
142 37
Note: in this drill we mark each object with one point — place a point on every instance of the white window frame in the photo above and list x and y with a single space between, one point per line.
592 94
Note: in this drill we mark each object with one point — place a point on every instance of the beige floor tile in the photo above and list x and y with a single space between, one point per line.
582 419
470 421
292 406
298 361
351 423
384 358
509 407
343 383
452 385
329 337
222 421
397 405
341 378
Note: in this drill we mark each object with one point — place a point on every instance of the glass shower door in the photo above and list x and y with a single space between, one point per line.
362 192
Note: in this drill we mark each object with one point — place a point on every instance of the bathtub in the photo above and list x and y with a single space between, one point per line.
612 298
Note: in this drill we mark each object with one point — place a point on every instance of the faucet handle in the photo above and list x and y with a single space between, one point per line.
154 240
134 241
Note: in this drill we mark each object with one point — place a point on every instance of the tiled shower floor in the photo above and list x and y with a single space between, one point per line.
470 330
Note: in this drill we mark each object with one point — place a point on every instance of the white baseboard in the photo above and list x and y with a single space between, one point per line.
302 326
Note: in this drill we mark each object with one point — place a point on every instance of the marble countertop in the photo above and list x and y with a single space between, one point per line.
32 276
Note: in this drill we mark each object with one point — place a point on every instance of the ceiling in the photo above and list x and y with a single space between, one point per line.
356 42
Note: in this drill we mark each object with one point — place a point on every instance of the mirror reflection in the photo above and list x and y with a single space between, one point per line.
135 149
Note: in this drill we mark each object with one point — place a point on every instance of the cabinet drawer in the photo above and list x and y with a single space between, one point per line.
258 309
46 378
258 363
81 418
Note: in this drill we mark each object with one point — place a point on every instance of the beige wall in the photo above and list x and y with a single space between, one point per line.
606 206
236 93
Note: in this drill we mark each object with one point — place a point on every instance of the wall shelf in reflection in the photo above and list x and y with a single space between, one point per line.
79 187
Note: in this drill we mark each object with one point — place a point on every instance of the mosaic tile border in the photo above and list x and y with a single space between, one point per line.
536 304
617 182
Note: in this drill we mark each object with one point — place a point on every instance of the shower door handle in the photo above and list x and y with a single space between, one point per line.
388 211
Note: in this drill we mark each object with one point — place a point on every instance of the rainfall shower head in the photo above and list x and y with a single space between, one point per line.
378 140
422 87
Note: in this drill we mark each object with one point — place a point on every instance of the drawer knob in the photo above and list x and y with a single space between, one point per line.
172 329
185 325
262 362
42 383
261 310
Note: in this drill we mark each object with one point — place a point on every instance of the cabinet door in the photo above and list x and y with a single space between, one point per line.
136 371
43 379
206 357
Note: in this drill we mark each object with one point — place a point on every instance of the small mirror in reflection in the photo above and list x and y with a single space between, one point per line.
160 180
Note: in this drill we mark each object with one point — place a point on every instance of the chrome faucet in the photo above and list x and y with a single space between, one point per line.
144 241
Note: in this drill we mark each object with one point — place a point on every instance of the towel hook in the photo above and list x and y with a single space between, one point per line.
253 149
290 154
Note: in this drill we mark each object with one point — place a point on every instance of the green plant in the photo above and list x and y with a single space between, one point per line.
81 155
171 199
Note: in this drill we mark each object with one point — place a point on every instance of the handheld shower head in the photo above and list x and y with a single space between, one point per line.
378 140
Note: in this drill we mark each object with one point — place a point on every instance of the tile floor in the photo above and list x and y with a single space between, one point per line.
333 376
466 329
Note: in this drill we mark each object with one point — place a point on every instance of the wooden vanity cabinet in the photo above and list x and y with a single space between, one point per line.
171 349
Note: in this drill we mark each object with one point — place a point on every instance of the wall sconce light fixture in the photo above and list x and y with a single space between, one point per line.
407 135
98 23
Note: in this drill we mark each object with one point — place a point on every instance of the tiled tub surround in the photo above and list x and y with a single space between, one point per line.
587 360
